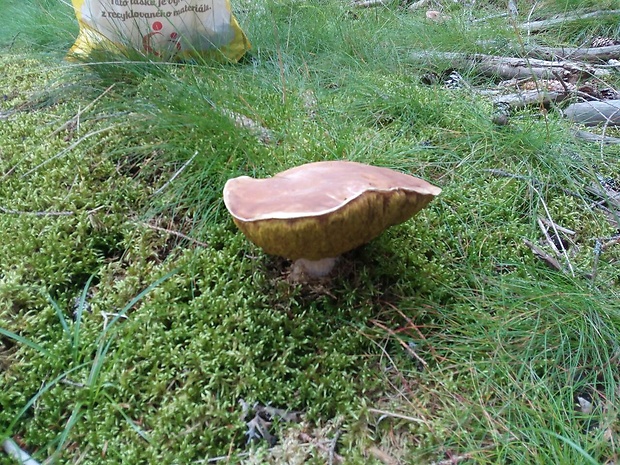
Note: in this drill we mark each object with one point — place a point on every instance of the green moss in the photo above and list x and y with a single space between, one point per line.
448 322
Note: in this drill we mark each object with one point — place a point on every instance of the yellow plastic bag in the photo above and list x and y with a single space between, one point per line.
169 29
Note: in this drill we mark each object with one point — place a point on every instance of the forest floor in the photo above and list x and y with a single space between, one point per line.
138 325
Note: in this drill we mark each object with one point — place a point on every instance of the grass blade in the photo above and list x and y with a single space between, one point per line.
78 317
23 340
60 315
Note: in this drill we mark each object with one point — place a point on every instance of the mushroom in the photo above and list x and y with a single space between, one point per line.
313 213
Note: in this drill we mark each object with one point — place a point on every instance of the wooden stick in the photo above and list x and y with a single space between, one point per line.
545 257
528 98
418 4
590 55
82 111
593 113
591 137
550 223
506 67
368 3
174 233
537 26
15 452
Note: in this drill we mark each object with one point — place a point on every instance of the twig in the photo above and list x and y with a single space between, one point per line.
454 460
545 257
529 97
42 213
47 213
174 176
368 3
385 413
434 353
14 451
598 248
13 41
382 456
544 204
82 111
613 241
72 383
529 16
545 232
547 222
561 81
332 448
401 342
222 457
106 315
68 149
174 233
418 4
533 181
505 67
306 437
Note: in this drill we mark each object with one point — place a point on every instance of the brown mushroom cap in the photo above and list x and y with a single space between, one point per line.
323 209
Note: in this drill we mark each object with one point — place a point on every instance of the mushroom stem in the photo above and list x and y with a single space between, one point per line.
303 267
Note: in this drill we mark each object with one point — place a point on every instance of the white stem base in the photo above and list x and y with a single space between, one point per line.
304 269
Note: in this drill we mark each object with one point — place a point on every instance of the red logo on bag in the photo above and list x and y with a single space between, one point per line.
158 26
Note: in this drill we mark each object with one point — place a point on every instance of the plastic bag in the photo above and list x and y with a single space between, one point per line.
168 29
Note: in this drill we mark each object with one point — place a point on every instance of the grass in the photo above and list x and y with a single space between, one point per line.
123 339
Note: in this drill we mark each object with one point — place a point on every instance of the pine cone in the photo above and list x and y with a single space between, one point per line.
454 81
550 85
604 42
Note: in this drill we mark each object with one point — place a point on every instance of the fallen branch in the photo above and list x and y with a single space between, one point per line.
537 26
591 137
507 67
595 112
528 98
368 3
590 55
609 196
